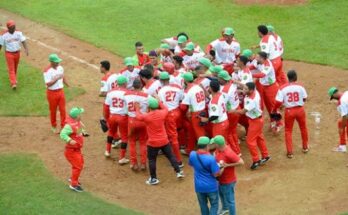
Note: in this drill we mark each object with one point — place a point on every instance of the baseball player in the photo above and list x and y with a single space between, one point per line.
226 49
152 86
255 138
173 41
55 80
136 128
131 72
194 101
217 111
175 76
105 70
190 56
229 89
183 40
171 95
277 38
115 106
72 134
12 40
157 138
293 97
202 80
178 63
165 54
269 86
342 108
244 74
140 58
268 44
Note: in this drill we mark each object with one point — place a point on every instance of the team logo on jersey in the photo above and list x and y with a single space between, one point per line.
213 108
263 46
245 78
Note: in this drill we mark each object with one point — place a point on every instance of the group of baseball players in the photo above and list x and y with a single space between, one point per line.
165 100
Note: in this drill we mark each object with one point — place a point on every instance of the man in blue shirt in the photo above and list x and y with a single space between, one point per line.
205 172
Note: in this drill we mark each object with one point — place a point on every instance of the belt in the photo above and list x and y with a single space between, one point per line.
116 114
56 90
13 52
293 107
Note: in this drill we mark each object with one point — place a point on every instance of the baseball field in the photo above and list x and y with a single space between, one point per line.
33 170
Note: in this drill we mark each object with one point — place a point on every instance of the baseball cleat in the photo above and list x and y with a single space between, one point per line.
14 87
180 174
76 188
255 165
305 150
264 160
107 154
134 167
152 181
116 144
123 161
183 152
340 148
69 179
289 155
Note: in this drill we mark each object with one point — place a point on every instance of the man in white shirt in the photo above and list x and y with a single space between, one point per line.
12 40
54 80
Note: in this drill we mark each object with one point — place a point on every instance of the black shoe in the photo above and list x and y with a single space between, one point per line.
77 188
264 160
255 165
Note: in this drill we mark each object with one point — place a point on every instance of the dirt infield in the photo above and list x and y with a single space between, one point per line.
307 184
270 2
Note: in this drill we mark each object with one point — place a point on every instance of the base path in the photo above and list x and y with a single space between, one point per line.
307 184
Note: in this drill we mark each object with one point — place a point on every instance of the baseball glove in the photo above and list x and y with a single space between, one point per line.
203 114
276 116
103 125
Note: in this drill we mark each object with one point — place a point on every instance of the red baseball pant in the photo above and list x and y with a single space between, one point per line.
120 122
344 133
56 100
229 68
278 67
221 129
195 120
137 130
187 134
255 139
171 127
268 95
232 134
298 114
12 59
75 158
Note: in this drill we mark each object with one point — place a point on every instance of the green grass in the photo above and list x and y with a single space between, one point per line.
314 32
30 96
26 187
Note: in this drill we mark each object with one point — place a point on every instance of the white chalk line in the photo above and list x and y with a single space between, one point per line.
62 52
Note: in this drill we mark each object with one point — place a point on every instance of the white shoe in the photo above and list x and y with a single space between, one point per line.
107 154
223 212
180 174
123 161
183 152
116 144
340 148
152 181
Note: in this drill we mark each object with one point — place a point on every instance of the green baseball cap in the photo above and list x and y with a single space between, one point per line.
128 61
75 112
270 28
228 31
203 140
224 75
332 91
205 61
164 46
247 53
182 39
121 80
215 69
219 140
164 76
153 103
189 47
187 76
54 58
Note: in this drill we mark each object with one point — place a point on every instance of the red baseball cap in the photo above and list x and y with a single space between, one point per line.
10 23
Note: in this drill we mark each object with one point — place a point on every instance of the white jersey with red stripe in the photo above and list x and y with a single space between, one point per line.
292 95
252 104
342 107
245 75
217 107
176 78
267 69
116 102
50 73
166 59
194 97
225 53
171 96
204 82
111 82
279 42
12 42
191 62
131 75
104 86
268 44
172 42
132 97
252 66
152 87
231 95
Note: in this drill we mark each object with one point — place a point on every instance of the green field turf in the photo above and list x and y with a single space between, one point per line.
26 187
30 97
314 32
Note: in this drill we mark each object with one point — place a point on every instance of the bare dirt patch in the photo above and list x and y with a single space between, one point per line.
308 184
271 2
